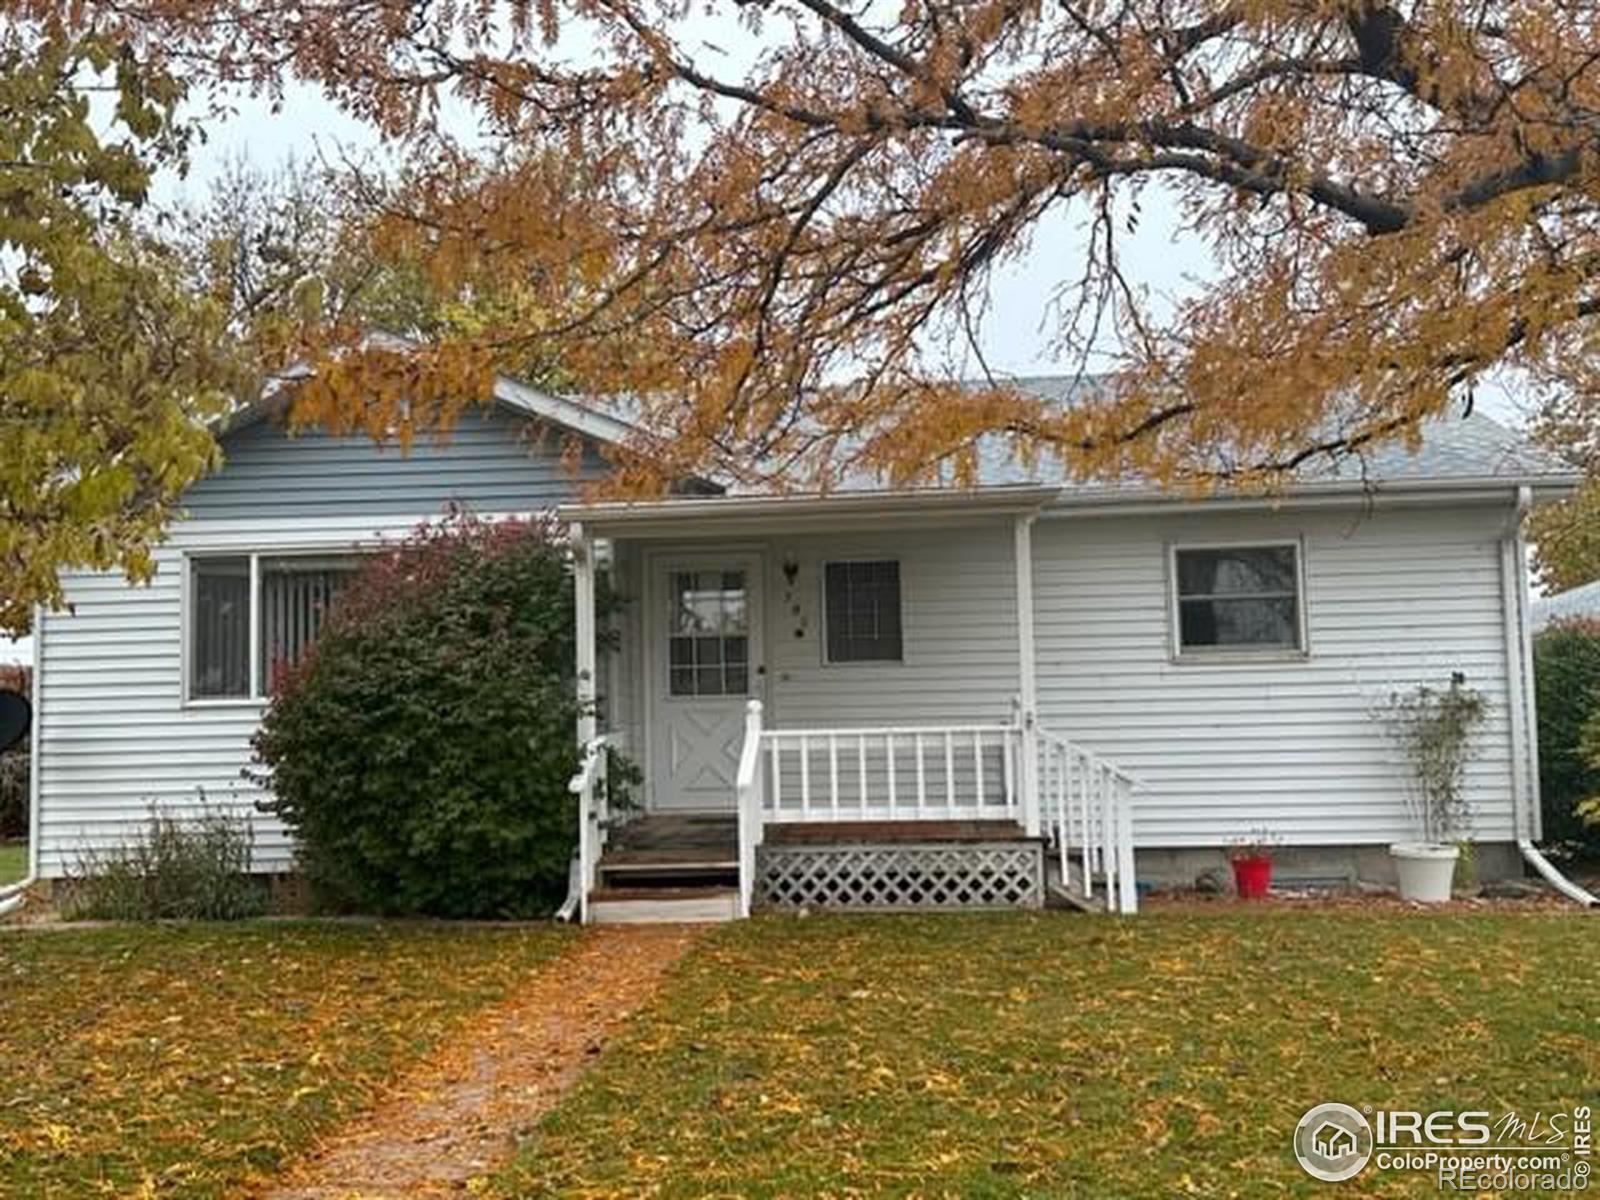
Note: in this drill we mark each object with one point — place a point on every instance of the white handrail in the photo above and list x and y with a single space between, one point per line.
1088 811
897 731
751 799
591 786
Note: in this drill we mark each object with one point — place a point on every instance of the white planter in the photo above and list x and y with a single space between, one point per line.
1426 869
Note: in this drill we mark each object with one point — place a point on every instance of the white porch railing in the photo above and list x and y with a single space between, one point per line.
941 773
893 773
593 790
1088 812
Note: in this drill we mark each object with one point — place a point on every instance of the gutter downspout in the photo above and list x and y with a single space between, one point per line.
14 895
1525 727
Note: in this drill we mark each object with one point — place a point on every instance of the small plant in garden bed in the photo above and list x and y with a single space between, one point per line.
1251 859
175 869
15 765
1434 728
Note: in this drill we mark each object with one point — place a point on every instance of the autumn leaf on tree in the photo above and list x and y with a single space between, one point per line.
779 251
1567 533
109 368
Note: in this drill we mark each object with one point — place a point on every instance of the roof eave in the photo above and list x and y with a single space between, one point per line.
1489 487
733 514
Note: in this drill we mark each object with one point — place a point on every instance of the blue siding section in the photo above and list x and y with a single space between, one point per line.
492 461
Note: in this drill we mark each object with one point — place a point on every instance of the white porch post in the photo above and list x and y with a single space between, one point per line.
1027 679
583 597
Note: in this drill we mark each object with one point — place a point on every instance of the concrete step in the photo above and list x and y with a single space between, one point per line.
662 905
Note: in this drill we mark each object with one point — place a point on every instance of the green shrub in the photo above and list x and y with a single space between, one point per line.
421 750
14 768
176 869
1434 727
1567 682
14 763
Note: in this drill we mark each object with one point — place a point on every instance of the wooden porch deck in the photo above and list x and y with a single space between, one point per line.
664 839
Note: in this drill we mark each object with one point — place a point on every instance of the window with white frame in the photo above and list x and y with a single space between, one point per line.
1237 598
862 611
283 598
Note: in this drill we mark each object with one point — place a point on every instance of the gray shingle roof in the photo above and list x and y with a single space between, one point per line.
1463 446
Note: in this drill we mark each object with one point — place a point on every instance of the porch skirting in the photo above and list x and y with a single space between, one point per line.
901 875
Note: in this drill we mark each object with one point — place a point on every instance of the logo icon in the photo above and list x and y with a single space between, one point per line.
1333 1142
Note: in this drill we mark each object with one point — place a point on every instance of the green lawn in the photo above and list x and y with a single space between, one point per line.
183 1060
13 861
1062 1056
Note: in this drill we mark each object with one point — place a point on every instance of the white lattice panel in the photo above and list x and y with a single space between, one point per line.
902 876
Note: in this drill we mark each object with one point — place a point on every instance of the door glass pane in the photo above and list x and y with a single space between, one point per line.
707 634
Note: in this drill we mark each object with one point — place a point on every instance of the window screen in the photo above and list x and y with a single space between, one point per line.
863 611
219 629
296 594
1244 597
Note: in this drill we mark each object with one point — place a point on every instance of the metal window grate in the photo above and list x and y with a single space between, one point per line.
863 611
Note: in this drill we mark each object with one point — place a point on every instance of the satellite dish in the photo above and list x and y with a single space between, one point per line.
15 713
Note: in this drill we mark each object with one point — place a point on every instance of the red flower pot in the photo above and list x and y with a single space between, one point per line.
1252 876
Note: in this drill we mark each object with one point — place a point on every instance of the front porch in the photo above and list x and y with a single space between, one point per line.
688 867
833 702
913 830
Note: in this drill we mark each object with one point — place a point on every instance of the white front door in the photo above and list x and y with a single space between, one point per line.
706 611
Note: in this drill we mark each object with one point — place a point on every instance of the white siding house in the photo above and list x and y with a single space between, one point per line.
926 656
1289 744
120 728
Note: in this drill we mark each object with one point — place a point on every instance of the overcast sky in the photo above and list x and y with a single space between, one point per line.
1013 337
